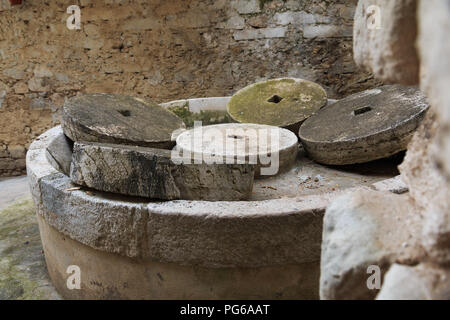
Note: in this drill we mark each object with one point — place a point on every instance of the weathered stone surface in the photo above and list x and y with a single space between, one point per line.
150 279
283 102
271 149
395 185
59 153
362 229
327 31
4 5
421 282
119 119
384 38
434 51
247 6
148 172
429 189
17 152
299 18
240 249
37 162
92 218
363 127
231 234
2 97
113 226
267 33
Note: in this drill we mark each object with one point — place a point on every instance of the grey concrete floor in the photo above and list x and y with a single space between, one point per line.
23 272
13 189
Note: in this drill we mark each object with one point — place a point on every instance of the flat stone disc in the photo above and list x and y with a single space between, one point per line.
366 126
283 102
267 147
120 119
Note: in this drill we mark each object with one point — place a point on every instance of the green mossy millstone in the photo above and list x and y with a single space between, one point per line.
120 119
365 126
283 102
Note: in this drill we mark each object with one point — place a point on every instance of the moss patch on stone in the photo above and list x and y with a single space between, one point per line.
279 102
23 272
206 117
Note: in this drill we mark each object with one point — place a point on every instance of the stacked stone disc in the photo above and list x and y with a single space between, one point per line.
121 145
270 149
363 127
120 119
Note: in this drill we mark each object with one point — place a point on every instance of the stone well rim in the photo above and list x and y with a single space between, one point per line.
187 232
43 140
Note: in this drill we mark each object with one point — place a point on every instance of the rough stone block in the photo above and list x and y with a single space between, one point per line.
7 164
5 5
2 97
429 188
59 153
384 39
38 85
151 173
362 229
299 18
37 163
20 88
247 6
267 33
16 74
327 31
421 282
234 22
434 49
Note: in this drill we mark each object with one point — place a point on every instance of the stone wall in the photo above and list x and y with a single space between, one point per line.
406 236
164 50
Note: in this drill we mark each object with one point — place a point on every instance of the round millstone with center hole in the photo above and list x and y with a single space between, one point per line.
120 119
363 127
270 148
283 102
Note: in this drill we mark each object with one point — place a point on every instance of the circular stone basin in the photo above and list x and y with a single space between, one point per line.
133 248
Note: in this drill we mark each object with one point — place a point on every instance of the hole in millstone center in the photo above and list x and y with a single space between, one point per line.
232 136
125 113
275 99
361 110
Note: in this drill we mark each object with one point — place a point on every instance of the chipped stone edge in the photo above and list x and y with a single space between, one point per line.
163 239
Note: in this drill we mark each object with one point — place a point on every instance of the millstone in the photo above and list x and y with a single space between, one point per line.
270 148
366 126
149 172
283 102
119 119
